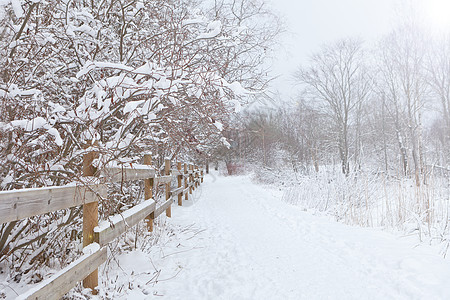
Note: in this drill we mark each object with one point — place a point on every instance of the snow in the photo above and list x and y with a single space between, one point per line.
163 83
16 5
237 88
87 251
238 240
193 21
104 65
132 105
128 164
140 5
218 125
30 125
120 217
55 133
91 249
212 30
58 108
84 29
89 66
7 179
237 106
225 142
35 124
57 167
145 69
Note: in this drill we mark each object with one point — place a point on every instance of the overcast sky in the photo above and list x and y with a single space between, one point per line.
311 23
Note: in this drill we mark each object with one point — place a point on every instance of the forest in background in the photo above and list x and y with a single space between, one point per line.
368 137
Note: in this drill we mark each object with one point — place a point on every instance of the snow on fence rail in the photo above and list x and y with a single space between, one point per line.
19 204
108 230
63 281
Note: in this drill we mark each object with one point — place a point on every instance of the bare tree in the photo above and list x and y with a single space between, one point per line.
439 81
339 82
403 83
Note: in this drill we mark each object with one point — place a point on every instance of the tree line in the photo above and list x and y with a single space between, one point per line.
385 108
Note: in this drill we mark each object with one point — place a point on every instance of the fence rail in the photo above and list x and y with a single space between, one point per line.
110 229
137 172
20 204
60 283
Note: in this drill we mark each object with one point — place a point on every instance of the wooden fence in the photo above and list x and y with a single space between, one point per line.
19 204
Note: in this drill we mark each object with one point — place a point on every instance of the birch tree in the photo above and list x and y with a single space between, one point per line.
438 75
403 76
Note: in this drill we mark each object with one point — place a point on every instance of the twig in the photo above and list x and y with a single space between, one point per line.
178 252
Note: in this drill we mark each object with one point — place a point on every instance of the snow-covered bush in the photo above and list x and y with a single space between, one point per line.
377 200
133 76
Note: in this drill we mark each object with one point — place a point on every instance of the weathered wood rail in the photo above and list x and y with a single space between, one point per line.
19 204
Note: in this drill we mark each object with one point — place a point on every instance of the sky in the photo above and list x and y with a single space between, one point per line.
312 23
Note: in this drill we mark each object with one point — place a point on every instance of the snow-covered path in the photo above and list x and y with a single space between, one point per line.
254 246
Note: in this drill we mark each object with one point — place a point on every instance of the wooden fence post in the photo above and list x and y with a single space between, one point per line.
148 192
180 182
191 178
90 218
197 175
201 172
186 183
167 172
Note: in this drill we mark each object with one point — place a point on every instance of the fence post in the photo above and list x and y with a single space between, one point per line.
167 172
148 192
90 217
201 172
197 175
180 181
186 196
191 178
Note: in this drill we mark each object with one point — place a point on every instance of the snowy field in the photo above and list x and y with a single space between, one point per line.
238 240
